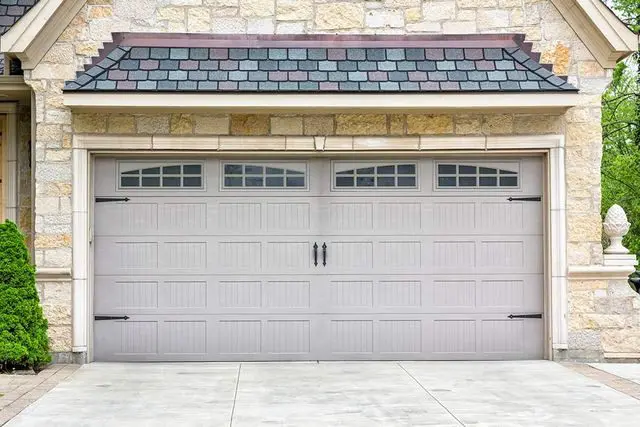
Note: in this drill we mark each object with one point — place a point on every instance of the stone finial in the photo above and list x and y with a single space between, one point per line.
616 227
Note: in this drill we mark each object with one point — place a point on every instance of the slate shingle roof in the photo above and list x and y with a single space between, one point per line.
321 68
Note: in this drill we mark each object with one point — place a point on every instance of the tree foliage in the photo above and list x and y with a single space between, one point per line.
23 327
621 133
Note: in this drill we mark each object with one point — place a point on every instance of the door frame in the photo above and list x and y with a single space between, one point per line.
9 160
550 147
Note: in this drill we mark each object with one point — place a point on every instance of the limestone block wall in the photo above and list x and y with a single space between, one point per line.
25 211
323 125
93 25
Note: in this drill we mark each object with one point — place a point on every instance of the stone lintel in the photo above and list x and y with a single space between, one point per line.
600 272
52 274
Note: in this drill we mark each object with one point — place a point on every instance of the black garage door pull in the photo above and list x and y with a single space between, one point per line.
525 316
110 317
111 199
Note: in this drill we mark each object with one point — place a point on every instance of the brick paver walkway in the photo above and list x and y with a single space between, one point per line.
620 384
19 391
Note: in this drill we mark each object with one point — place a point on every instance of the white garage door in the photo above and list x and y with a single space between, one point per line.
209 259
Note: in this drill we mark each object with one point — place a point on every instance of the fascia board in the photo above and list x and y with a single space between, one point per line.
35 33
604 35
23 32
328 102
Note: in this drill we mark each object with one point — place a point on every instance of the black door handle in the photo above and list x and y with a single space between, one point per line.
315 254
324 254
110 317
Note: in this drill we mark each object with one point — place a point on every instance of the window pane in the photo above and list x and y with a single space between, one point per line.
348 172
134 172
366 171
344 181
295 181
129 181
253 181
409 169
232 181
447 169
195 181
151 171
447 181
192 169
151 181
171 170
253 170
488 181
386 181
275 171
386 170
504 172
488 171
233 169
171 181
464 169
508 181
467 181
365 181
292 172
407 181
275 181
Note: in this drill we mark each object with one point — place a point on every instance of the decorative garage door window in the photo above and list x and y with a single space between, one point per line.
256 175
451 175
169 175
400 175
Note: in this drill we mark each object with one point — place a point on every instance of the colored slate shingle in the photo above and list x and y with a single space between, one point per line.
301 69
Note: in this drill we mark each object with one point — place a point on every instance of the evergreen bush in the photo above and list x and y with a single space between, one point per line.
23 327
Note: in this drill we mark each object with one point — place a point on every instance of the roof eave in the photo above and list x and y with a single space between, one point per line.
547 102
33 35
602 32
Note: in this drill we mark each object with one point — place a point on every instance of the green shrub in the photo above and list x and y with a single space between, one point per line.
23 328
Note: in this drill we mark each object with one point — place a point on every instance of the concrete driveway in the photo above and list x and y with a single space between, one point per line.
331 394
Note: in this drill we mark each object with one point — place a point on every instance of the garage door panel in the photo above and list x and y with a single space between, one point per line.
485 216
140 255
483 254
277 215
414 273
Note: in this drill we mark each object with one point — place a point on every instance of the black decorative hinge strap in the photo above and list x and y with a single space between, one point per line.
525 199
111 199
111 317
525 316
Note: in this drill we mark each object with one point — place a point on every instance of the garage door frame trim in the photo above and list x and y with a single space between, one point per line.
85 147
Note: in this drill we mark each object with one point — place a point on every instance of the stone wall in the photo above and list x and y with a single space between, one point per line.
604 320
25 211
538 19
322 125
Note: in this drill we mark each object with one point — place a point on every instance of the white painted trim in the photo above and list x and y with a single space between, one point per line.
34 34
557 211
10 161
537 102
606 37
13 85
18 33
82 232
80 248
